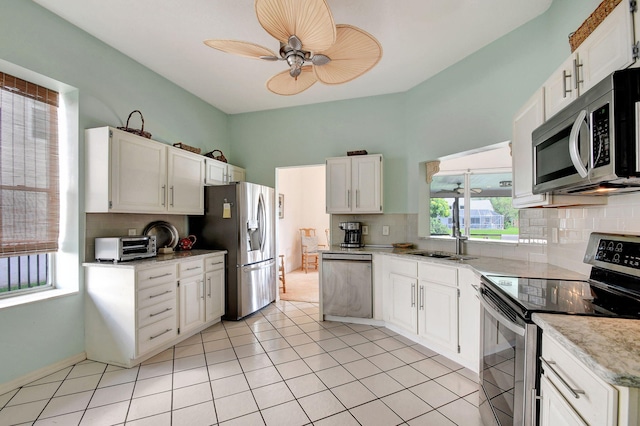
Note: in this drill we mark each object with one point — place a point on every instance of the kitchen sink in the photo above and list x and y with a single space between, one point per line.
442 255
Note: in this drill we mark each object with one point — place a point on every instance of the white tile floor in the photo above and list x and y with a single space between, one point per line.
277 367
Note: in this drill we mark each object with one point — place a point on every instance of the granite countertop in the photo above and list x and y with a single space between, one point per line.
160 258
610 347
481 265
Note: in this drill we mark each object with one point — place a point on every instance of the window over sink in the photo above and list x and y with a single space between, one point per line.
470 193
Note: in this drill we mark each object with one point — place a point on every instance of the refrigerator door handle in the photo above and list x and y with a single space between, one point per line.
259 265
262 222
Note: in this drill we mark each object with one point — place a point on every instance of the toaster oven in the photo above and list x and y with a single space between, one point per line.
119 249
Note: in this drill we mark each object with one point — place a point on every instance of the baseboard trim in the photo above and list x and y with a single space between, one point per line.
40 373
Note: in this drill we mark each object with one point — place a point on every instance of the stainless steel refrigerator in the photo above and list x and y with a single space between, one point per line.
240 218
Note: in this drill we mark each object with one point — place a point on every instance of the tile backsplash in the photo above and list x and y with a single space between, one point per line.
118 224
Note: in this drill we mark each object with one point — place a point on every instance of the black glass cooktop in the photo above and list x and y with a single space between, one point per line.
566 296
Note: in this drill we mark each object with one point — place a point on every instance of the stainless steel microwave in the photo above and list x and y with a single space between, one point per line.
591 146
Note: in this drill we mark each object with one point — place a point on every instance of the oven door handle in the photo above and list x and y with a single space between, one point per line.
516 328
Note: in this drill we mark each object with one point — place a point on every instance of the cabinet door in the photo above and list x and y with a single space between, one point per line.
216 172
138 174
366 184
235 174
402 309
468 317
185 182
338 191
560 89
438 314
214 287
530 116
554 409
607 49
192 303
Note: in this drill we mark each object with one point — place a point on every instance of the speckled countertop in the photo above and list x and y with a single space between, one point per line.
481 265
610 347
160 258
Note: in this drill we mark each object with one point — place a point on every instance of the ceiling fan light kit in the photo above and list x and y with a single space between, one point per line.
314 47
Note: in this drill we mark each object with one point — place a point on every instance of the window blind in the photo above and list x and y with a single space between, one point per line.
29 181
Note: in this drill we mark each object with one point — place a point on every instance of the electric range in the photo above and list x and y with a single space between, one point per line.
510 346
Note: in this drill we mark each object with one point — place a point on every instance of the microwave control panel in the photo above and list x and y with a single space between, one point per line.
600 136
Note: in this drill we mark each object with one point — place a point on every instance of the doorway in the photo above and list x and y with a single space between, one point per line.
300 204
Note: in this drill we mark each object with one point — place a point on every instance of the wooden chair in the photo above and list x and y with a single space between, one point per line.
309 248
281 273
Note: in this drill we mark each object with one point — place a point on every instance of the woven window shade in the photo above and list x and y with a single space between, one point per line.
29 181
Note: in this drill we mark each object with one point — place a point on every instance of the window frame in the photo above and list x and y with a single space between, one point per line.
66 264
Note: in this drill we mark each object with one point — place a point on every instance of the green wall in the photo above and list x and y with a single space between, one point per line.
468 105
109 86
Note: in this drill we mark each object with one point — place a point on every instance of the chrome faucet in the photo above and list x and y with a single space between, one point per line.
460 239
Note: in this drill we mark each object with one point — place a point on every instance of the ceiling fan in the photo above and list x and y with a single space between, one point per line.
460 190
314 47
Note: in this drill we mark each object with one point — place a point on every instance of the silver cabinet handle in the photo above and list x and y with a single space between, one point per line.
575 392
413 295
565 76
209 287
159 276
576 72
171 189
193 269
164 195
158 335
202 288
159 294
357 198
421 297
161 312
349 198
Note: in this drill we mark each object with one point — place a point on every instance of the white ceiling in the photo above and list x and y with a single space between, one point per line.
419 39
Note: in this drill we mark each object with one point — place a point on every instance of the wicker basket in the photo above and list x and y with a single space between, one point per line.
213 155
591 23
140 132
187 147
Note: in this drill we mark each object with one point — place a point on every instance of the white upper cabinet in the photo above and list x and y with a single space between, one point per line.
221 173
607 49
184 180
354 184
530 116
126 173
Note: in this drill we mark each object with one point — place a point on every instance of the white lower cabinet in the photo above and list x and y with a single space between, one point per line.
434 304
192 294
438 305
554 409
214 287
134 311
572 393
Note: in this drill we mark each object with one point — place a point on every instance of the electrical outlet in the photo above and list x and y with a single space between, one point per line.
385 230
132 231
365 229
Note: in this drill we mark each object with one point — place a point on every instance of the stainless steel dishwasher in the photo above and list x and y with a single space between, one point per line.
347 285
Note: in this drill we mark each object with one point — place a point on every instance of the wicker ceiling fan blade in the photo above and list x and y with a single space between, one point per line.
283 84
240 48
310 20
354 53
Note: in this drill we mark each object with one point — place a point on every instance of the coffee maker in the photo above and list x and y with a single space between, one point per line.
352 235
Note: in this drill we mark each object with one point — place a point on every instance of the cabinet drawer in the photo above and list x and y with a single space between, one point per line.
156 294
155 313
598 404
153 276
190 268
156 334
407 268
438 273
213 263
